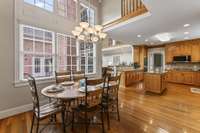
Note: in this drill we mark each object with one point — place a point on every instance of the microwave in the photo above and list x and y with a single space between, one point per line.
182 58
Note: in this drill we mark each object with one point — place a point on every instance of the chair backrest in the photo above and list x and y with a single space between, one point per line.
104 71
62 77
34 94
113 85
93 98
78 75
109 70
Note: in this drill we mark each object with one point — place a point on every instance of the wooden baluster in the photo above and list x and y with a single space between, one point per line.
138 7
126 7
132 6
135 5
122 8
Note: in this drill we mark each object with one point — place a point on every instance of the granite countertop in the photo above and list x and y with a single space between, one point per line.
154 72
184 70
132 70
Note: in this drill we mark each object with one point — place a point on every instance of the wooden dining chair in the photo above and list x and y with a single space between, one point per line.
62 76
110 98
90 106
44 111
78 75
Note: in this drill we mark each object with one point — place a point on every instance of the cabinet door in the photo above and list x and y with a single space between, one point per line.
197 79
196 52
169 53
188 77
136 55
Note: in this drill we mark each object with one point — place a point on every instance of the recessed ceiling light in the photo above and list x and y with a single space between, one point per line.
186 25
186 33
163 37
146 40
139 36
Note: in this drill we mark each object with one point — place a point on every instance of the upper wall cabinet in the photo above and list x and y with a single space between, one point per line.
196 51
183 48
140 52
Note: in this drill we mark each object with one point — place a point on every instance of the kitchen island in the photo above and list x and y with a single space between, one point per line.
154 82
129 77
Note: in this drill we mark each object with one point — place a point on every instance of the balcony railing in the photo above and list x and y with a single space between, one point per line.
130 6
129 9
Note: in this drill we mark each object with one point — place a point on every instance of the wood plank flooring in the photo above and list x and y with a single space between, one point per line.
176 111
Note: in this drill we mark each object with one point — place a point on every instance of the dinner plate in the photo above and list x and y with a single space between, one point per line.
89 89
55 89
67 83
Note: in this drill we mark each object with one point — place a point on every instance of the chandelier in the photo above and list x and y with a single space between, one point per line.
88 33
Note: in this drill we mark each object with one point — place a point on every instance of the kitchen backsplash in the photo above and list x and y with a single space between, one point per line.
183 66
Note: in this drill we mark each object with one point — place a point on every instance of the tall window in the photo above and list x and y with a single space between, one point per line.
87 14
45 4
67 55
67 8
87 57
36 52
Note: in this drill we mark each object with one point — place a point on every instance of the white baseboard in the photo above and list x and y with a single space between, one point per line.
17 110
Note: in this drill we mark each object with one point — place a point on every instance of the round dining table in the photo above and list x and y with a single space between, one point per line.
69 92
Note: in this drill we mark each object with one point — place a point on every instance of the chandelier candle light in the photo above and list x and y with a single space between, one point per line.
86 32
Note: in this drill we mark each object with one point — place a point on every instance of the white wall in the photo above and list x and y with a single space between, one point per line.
124 51
111 10
124 57
15 99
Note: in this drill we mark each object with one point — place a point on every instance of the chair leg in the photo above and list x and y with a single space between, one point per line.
63 120
86 122
118 111
72 121
108 118
32 123
37 128
102 121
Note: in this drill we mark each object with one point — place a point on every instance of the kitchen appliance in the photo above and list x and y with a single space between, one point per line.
182 58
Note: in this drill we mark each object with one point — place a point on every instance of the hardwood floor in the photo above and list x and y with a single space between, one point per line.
176 111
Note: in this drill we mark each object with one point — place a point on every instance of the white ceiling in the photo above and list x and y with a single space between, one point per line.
165 16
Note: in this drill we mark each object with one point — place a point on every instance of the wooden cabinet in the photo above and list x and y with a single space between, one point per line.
140 52
197 79
183 77
154 82
137 55
130 77
196 52
183 48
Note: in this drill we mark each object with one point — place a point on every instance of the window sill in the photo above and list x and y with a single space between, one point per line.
22 83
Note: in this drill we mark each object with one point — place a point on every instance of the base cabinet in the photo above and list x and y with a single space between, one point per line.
183 77
128 78
197 79
154 82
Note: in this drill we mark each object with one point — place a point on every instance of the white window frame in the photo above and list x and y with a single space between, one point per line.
86 59
87 7
66 54
21 50
65 10
44 3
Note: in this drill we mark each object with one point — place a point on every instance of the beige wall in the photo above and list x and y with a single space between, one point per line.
12 97
111 10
